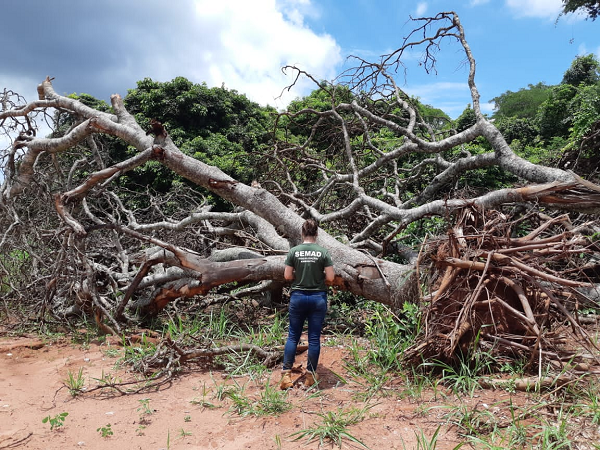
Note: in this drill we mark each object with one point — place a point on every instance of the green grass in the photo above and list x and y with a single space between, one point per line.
268 335
75 382
425 443
270 402
463 376
333 427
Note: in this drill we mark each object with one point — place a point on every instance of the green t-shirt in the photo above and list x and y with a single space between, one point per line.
309 262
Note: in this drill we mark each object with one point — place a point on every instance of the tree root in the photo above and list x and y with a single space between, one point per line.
512 295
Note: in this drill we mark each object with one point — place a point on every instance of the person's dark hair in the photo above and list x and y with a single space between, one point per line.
310 228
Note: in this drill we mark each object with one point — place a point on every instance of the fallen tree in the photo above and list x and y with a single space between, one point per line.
100 255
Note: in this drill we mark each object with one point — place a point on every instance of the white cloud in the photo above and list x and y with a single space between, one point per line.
479 2
421 9
546 9
245 44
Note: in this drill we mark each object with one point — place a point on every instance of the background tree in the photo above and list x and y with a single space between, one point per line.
522 104
583 70
590 7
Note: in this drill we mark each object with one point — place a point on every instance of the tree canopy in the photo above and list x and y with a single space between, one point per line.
590 7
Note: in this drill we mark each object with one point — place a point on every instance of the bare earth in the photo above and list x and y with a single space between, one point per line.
32 386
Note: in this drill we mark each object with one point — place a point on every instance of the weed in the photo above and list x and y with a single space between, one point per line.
183 433
590 404
222 390
390 334
219 326
180 328
554 436
243 363
144 407
333 427
517 430
203 402
144 410
464 378
111 352
272 402
105 431
268 335
187 419
360 368
107 381
471 421
75 383
430 444
357 364
416 384
242 404
57 421
134 354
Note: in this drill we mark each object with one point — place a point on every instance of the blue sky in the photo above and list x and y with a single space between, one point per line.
104 47
515 43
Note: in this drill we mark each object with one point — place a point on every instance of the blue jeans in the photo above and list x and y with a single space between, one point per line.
308 306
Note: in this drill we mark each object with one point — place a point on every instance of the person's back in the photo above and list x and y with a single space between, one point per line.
309 267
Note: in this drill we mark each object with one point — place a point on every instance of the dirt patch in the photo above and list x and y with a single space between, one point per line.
188 414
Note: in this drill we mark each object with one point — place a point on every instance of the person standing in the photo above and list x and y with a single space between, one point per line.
309 267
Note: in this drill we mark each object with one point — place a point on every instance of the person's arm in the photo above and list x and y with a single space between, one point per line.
288 273
329 274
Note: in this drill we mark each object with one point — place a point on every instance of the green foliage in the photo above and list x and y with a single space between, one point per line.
371 377
272 401
374 362
435 117
483 180
586 112
522 104
218 126
466 119
144 408
91 101
554 435
471 421
513 128
584 70
269 334
554 117
56 421
105 431
590 7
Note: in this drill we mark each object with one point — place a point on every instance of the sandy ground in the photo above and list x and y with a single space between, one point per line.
32 387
